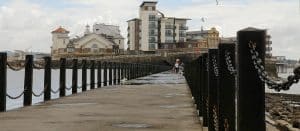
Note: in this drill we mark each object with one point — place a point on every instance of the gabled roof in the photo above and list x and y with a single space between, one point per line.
60 30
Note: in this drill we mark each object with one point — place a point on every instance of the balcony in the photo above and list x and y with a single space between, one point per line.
153 26
169 26
182 35
152 41
169 34
153 18
183 28
153 33
181 40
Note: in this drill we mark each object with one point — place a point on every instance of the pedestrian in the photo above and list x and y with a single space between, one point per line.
176 66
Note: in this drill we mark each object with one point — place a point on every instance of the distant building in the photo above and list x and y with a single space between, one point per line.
104 40
152 30
268 46
281 64
203 39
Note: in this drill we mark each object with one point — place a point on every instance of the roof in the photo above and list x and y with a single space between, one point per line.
60 30
252 29
151 2
197 32
178 18
109 30
134 19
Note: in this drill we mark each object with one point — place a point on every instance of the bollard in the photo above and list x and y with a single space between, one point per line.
227 87
119 73
47 78
115 73
92 74
251 90
62 77
74 76
105 74
99 75
84 75
213 96
28 80
205 88
199 87
110 73
3 79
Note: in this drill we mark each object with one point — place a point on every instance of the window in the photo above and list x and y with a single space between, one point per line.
152 46
94 48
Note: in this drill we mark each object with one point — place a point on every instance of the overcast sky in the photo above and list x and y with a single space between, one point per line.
26 24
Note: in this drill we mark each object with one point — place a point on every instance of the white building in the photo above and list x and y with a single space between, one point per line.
98 42
152 30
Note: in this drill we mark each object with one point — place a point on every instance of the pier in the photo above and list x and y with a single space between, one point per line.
156 102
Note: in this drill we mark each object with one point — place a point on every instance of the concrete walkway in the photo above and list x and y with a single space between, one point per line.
157 102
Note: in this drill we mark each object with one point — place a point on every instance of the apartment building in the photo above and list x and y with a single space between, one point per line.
152 30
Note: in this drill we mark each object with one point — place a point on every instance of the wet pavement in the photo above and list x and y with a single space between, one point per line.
157 102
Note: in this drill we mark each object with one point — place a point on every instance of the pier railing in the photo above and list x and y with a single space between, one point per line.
228 83
107 73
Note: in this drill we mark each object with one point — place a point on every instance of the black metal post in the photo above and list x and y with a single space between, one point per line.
227 87
205 88
198 85
119 73
110 73
251 90
47 78
3 79
92 74
213 96
28 80
115 73
74 76
84 75
99 71
62 77
105 74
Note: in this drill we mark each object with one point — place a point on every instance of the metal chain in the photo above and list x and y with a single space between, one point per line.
15 97
215 117
68 88
228 61
22 66
54 92
38 66
207 64
38 95
215 66
263 76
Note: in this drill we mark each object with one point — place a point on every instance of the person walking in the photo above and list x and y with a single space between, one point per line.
176 66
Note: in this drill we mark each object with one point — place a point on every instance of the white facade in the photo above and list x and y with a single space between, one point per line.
110 31
90 43
154 30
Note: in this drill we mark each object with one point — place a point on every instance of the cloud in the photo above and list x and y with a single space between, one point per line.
28 23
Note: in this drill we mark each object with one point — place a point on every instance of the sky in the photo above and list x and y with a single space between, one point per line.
27 24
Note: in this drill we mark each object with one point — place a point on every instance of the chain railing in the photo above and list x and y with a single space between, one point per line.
118 71
231 84
263 75
229 64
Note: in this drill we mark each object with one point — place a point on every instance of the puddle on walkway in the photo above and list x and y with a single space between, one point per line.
72 104
132 125
174 106
170 95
